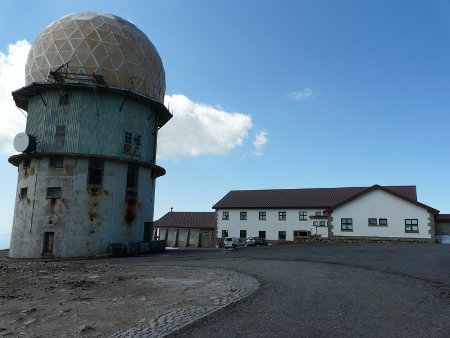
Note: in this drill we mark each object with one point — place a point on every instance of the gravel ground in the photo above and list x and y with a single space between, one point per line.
63 299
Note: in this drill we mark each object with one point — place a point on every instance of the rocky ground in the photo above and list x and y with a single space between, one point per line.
97 299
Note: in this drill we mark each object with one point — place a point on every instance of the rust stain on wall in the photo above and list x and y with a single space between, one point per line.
130 212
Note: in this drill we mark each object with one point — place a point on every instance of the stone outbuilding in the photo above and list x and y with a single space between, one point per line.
187 229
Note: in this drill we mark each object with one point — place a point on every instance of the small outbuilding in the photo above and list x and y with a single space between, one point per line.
443 228
187 229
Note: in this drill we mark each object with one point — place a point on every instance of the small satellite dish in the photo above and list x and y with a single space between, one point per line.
24 143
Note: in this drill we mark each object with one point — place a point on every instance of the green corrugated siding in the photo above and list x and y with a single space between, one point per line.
94 123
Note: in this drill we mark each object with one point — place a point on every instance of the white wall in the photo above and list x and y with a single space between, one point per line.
271 225
380 204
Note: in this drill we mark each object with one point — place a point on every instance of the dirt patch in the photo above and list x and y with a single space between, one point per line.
49 299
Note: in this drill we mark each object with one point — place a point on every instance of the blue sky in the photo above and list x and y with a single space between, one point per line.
280 94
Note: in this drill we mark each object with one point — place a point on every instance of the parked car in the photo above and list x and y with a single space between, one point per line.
252 241
232 242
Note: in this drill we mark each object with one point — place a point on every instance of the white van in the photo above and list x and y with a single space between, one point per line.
232 242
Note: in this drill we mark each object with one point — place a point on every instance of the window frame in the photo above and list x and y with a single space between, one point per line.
318 213
280 237
132 142
23 193
242 232
60 131
132 183
322 223
383 222
95 165
262 234
262 216
372 221
53 193
56 162
243 215
225 215
346 224
281 215
303 215
224 233
416 225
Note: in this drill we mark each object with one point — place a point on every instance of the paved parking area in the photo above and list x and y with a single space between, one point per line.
322 290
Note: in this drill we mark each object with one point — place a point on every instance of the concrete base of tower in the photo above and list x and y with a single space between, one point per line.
76 207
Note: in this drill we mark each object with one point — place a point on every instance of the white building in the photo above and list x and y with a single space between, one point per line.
376 212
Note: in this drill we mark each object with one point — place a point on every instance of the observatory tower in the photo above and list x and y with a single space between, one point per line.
94 95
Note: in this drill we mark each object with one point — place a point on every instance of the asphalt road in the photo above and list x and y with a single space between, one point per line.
328 290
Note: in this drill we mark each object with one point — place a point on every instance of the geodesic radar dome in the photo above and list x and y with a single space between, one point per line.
101 44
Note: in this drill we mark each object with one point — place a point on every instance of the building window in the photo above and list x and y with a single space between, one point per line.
224 233
23 193
60 131
205 234
262 234
318 213
64 99
95 174
262 215
321 223
315 223
53 192
281 234
26 163
282 215
346 224
225 215
411 225
383 221
132 183
56 162
243 216
243 233
132 143
303 215
301 233
373 221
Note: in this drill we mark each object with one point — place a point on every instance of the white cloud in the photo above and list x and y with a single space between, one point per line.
259 142
301 94
197 129
12 77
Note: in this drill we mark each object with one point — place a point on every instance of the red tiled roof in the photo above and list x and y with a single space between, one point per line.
200 220
386 189
300 198
443 218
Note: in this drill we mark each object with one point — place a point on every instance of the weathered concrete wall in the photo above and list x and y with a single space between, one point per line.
84 221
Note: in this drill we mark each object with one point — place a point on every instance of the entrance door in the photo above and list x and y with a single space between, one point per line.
49 238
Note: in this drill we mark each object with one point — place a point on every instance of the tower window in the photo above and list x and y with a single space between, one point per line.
64 99
23 193
132 143
53 192
26 163
132 182
95 174
60 131
56 162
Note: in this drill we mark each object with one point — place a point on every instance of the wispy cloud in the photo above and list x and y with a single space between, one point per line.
198 128
259 142
301 95
12 77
